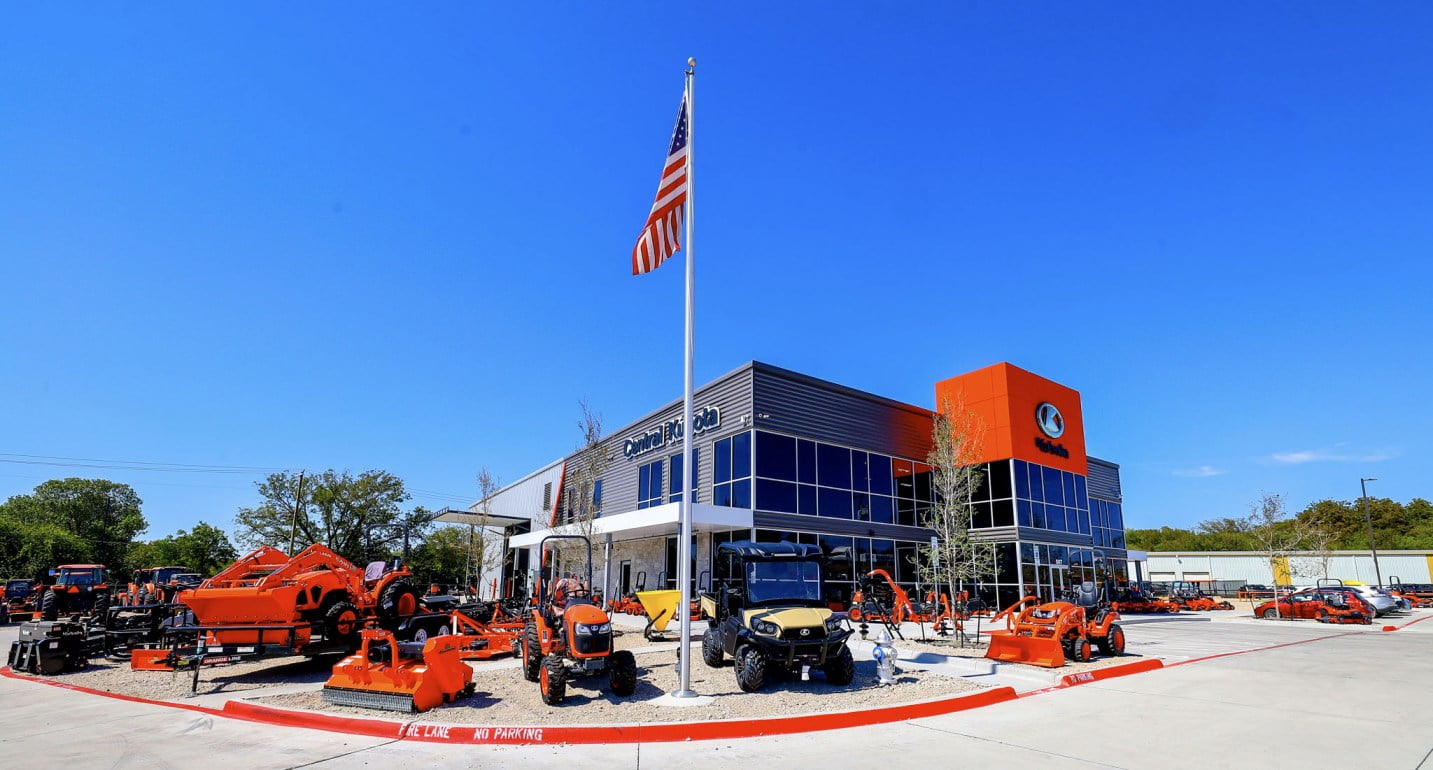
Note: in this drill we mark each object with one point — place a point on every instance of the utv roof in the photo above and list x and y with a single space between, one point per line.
746 549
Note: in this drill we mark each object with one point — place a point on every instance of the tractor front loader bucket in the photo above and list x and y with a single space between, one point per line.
385 674
1035 651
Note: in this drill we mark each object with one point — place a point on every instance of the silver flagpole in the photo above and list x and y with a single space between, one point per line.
684 541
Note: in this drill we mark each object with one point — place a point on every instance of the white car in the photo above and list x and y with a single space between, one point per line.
1382 602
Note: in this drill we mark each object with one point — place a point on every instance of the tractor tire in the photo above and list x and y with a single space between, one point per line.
531 653
100 606
49 606
1112 643
1323 616
622 673
712 654
1082 650
1271 614
341 624
552 680
840 669
398 601
750 668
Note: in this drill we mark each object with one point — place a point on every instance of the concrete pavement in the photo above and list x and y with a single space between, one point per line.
1352 697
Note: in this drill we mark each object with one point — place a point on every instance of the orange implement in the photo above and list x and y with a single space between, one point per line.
1034 650
387 674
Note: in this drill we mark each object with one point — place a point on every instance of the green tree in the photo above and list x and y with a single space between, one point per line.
353 515
442 557
104 514
205 549
29 550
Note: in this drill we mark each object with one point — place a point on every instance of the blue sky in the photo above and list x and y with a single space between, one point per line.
264 236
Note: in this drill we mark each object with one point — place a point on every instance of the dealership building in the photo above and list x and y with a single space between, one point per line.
783 456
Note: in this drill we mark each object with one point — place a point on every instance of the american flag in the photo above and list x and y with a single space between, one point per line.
659 239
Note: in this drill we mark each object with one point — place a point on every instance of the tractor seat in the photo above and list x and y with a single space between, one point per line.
1087 595
374 571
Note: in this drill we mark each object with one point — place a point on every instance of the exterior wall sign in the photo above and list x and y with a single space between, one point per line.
1051 422
707 418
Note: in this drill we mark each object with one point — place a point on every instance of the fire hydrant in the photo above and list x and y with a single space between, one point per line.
885 657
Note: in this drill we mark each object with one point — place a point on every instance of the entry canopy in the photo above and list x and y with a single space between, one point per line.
453 516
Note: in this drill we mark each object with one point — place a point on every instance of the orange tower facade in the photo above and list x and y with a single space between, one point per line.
1026 416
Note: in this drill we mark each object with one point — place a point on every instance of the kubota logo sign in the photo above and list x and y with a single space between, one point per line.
1051 422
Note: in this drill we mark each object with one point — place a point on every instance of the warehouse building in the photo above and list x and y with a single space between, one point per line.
1303 568
783 456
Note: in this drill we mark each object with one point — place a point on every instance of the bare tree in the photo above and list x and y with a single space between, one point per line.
1317 554
581 500
484 553
1278 536
955 559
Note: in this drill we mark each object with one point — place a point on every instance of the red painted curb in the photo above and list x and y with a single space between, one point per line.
1390 628
647 733
1124 669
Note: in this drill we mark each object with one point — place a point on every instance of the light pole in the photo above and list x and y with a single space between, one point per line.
1367 517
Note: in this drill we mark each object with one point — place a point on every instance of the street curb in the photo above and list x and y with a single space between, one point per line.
1099 674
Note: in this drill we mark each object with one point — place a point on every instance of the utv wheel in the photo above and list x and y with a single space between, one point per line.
711 648
49 606
840 668
622 673
341 624
398 600
750 668
1271 614
531 653
552 680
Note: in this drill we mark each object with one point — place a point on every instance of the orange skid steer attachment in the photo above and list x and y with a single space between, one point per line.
386 674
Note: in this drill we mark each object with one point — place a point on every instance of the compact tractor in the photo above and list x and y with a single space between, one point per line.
1188 596
78 588
768 613
1139 598
567 635
20 600
1048 634
153 585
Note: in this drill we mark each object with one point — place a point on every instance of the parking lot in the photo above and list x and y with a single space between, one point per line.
1236 691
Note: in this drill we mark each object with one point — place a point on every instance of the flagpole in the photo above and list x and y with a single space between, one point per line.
684 541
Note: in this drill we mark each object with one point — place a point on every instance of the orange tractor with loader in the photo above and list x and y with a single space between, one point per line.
1050 633
568 635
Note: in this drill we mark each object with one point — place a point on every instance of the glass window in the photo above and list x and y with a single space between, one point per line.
767 581
1002 513
741 455
838 552
1005 571
1037 515
1037 487
721 470
675 492
882 510
863 555
860 480
883 555
880 472
1116 518
1054 490
906 512
1000 480
741 494
721 495
1023 506
597 496
903 472
776 496
806 499
775 456
980 516
806 462
775 536
923 514
1054 517
834 503
862 505
923 482
833 466
1068 479
1082 498
1022 481
649 485
982 485
1082 520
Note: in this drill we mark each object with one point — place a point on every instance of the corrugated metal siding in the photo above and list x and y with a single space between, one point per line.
1104 480
524 498
793 403
1254 568
731 394
792 522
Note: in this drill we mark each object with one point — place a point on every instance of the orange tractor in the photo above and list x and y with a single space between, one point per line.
267 603
1188 596
82 588
1050 633
628 604
153 585
21 600
568 635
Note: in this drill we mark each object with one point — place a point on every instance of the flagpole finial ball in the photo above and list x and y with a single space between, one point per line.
691 61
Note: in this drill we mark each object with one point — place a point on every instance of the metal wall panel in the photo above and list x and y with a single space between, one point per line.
793 403
523 498
1306 567
1104 480
792 522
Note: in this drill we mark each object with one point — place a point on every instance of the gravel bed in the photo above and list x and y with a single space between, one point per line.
503 697
114 675
949 648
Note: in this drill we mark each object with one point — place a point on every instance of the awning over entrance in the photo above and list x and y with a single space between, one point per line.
452 516
650 522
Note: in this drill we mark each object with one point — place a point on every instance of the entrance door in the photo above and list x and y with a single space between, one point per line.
624 578
1059 581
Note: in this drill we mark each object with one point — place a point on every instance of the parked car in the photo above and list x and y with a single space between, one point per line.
1254 591
1382 601
1323 606
1354 599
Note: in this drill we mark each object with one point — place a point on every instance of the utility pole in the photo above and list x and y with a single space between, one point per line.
1368 517
294 523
